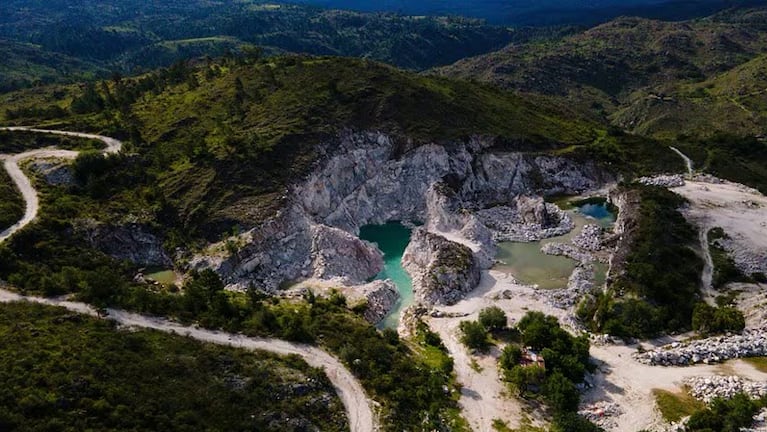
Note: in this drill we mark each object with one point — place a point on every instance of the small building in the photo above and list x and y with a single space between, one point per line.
532 358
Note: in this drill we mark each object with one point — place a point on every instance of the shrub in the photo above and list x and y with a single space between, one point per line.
709 319
724 415
474 335
493 318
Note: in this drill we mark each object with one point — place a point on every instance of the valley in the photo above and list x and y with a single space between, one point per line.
498 229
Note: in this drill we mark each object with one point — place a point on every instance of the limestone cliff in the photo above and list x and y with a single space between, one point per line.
366 178
443 271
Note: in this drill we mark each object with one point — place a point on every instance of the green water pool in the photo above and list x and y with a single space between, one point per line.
392 239
529 265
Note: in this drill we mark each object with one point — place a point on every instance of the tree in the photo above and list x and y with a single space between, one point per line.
560 393
474 335
510 357
493 318
525 378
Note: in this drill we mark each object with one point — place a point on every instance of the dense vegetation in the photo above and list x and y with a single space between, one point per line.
409 388
725 415
64 41
566 362
710 319
63 371
263 123
11 204
657 288
541 12
19 141
649 77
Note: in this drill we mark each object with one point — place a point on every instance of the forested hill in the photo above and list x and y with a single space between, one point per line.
543 12
650 77
130 36
217 138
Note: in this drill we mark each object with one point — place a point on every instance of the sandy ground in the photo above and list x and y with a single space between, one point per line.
619 378
359 408
739 210
483 396
28 192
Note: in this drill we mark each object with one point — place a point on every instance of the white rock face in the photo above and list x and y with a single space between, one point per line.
443 271
366 178
337 253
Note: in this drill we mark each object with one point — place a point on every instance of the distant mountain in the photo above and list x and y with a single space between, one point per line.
134 35
26 65
641 74
542 12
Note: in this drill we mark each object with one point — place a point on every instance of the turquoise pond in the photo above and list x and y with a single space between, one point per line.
392 239
524 261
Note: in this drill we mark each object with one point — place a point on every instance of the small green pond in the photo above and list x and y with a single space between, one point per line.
164 277
529 265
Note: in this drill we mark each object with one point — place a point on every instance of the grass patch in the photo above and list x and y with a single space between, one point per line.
675 406
759 363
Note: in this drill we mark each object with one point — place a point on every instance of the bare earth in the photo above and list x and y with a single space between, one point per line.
739 210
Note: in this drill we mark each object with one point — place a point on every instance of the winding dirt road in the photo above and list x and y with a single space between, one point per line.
358 407
11 163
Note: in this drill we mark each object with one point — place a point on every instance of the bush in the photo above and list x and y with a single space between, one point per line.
525 378
474 335
493 318
560 393
724 415
709 319
510 357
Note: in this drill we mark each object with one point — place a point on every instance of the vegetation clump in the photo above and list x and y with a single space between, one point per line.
657 288
62 370
563 362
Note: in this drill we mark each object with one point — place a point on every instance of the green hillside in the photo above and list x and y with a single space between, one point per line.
62 371
25 65
56 40
639 73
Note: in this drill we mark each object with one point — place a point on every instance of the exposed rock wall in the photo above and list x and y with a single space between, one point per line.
443 271
131 242
366 180
625 225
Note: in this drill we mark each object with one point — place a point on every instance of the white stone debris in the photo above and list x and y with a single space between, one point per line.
709 388
668 181
752 343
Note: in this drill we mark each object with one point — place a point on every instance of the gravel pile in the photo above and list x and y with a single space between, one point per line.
602 414
712 387
668 181
752 343
590 238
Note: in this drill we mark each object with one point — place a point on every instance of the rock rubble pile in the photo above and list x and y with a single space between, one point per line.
752 343
712 387
667 181
602 414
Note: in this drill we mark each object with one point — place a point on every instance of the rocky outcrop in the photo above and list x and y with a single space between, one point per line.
752 343
336 253
291 246
526 219
667 181
380 297
54 172
590 238
130 242
443 271
628 201
366 178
